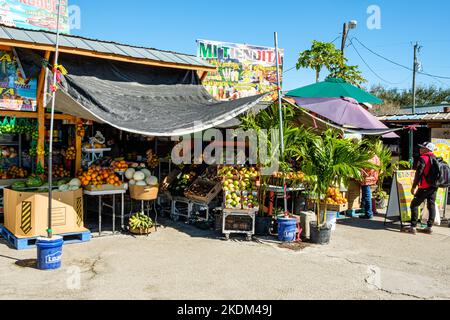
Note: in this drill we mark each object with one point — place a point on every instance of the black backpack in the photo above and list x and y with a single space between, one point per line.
439 174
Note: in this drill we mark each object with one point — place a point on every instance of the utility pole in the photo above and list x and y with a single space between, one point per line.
411 133
344 37
347 27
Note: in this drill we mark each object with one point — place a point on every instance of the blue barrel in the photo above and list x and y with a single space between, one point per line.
49 253
287 229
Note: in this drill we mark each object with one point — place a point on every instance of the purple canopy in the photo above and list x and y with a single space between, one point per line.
344 112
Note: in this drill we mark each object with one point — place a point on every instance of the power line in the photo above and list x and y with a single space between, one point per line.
399 64
371 69
290 69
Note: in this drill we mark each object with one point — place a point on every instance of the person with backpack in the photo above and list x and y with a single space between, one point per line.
425 186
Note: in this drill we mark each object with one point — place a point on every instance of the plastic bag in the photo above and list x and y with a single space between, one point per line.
426 215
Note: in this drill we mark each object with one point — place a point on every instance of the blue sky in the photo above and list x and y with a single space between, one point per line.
176 24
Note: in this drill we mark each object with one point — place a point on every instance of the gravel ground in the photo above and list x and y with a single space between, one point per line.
364 261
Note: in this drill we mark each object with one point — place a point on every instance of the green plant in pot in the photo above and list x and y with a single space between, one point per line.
266 124
330 160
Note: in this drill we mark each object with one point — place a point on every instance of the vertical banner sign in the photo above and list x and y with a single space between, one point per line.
401 197
34 14
17 92
242 70
441 138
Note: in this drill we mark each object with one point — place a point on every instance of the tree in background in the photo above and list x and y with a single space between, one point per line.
395 99
325 55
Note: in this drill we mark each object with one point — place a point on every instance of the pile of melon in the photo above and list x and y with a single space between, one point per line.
141 177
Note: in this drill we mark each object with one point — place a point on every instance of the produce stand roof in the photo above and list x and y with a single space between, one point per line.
147 100
46 41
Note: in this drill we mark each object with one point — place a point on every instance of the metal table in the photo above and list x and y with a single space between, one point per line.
279 192
100 195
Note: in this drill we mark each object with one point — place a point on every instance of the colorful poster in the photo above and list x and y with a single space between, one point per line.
401 197
242 70
34 14
17 93
405 180
443 146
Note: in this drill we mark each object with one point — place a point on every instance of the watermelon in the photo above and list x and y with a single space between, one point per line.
60 183
34 182
19 186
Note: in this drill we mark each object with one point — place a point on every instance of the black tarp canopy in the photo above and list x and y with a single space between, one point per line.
147 100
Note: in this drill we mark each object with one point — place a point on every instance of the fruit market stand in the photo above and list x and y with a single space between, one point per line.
93 95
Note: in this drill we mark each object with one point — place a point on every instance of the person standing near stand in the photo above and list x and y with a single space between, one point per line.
423 190
370 179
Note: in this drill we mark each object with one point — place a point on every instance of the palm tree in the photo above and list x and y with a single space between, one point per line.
329 160
295 138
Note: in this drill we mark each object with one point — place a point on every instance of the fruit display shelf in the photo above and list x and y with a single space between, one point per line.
204 191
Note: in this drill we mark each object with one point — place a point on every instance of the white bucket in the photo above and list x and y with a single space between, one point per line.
332 220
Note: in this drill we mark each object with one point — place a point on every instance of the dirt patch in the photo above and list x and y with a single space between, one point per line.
29 264
295 246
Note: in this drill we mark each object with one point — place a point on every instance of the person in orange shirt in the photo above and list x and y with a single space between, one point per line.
370 179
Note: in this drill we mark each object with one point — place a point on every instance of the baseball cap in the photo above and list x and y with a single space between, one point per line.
429 146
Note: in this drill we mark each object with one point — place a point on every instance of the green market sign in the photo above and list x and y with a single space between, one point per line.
242 70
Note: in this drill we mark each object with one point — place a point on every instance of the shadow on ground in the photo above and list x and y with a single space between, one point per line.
374 224
28 263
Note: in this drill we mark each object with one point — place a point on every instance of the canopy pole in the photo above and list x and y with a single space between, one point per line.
52 123
280 110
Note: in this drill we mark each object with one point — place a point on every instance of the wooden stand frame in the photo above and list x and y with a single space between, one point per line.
42 116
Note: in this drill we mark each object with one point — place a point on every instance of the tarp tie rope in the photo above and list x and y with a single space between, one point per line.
412 127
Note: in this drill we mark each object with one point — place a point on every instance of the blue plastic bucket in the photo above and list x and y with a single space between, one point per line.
49 253
287 229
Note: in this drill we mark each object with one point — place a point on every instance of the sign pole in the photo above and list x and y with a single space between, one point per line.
52 123
280 110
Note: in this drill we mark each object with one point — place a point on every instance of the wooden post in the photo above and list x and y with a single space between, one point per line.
78 148
41 111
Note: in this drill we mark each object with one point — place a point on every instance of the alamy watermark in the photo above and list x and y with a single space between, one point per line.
74 17
374 278
374 19
234 147
73 281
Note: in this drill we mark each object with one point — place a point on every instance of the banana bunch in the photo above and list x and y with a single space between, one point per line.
140 222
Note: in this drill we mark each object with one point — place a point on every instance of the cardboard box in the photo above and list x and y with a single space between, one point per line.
354 196
26 213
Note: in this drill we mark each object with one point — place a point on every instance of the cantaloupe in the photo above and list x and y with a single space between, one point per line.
151 181
146 172
129 174
139 176
75 183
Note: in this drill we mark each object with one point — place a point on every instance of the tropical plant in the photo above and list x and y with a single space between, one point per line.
329 160
321 55
387 166
325 55
265 124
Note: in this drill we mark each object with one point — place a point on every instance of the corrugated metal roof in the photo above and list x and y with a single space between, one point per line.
418 117
75 42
